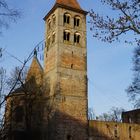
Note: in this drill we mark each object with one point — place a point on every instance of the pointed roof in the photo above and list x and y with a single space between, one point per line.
70 3
35 71
67 4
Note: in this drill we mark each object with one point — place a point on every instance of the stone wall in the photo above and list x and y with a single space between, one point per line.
65 72
100 130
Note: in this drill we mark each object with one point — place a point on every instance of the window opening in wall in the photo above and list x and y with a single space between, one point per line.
48 42
66 35
19 113
76 38
69 137
71 66
66 18
116 131
72 53
76 21
53 38
54 19
130 132
49 24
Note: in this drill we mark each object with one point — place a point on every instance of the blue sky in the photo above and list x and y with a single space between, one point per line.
109 65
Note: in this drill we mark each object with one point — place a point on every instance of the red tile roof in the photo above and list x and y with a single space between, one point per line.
69 3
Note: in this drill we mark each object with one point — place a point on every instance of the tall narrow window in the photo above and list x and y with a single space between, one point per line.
76 38
54 19
48 42
19 113
49 24
76 21
66 35
130 132
66 18
53 38
116 131
69 137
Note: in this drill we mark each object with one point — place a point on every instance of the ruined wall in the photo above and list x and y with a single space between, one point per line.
100 130
132 116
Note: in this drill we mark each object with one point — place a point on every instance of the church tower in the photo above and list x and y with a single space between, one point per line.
65 71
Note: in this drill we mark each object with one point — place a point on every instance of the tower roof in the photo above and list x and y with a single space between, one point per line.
68 4
35 70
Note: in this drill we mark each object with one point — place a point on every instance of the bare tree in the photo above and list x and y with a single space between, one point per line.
2 88
7 14
126 20
118 27
14 76
91 114
0 52
113 115
134 89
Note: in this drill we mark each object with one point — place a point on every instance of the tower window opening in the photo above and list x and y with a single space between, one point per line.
53 38
66 36
48 42
66 18
49 24
71 66
72 53
54 19
76 21
76 38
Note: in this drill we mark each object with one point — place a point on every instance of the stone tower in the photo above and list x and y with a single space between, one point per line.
65 71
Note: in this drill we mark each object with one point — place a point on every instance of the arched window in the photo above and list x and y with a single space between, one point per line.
49 24
67 18
77 38
54 19
66 35
77 21
53 38
48 42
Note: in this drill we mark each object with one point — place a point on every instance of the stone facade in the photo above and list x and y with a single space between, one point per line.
66 72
